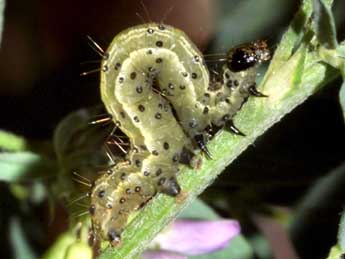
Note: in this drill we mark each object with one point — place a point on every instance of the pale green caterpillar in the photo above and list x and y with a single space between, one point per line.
159 92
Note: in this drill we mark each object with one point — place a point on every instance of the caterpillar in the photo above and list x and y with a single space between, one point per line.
159 92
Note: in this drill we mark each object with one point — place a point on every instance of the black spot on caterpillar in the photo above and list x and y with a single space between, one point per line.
147 71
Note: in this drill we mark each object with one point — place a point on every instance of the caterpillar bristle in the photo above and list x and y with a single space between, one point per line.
146 11
81 205
80 198
140 17
96 47
100 119
94 71
80 214
166 14
119 145
81 179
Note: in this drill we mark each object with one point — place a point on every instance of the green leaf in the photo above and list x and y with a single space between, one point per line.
2 16
20 247
198 210
72 244
74 134
341 232
11 142
341 56
336 58
59 249
234 29
338 250
80 148
342 97
335 253
23 165
324 198
79 250
324 25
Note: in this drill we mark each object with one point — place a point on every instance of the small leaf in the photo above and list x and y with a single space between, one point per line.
335 253
198 210
74 134
2 16
342 97
324 25
11 142
341 232
58 250
23 165
20 246
79 250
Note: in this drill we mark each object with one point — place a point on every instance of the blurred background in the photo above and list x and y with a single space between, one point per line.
44 50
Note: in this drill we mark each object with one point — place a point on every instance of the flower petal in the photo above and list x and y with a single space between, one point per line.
152 254
194 237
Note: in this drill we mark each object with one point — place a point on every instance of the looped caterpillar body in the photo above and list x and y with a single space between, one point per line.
156 86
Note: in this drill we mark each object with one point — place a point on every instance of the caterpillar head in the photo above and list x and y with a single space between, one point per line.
248 55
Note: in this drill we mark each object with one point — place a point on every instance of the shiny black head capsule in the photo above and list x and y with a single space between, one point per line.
246 56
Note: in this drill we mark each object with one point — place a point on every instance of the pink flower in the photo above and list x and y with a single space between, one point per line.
192 237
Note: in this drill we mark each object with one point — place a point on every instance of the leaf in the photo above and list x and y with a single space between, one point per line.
11 142
20 247
23 165
74 134
341 232
71 244
199 210
324 198
338 250
335 253
234 29
336 59
58 250
342 97
324 25
341 55
2 9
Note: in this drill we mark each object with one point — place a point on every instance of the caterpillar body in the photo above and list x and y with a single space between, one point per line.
160 93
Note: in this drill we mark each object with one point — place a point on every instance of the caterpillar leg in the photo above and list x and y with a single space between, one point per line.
231 127
200 141
171 187
254 92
